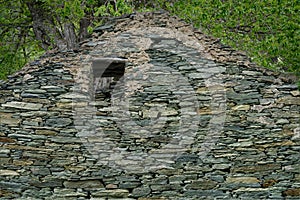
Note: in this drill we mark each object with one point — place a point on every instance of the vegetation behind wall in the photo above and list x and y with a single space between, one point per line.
269 31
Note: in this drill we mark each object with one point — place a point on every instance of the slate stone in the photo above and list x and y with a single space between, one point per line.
35 91
62 193
53 89
66 140
201 185
103 28
23 105
88 184
8 120
30 95
289 100
141 191
295 192
196 120
117 193
73 96
205 194
40 170
58 122
8 173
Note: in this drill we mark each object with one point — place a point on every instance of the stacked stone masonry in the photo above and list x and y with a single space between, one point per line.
190 119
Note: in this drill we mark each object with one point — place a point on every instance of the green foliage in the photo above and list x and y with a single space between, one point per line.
268 31
121 7
17 43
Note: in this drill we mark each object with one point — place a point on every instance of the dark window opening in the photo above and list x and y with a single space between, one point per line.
107 72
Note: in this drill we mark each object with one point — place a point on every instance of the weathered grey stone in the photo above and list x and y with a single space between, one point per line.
31 95
23 105
38 113
58 122
53 89
207 194
201 185
242 144
282 121
295 93
251 73
65 193
40 170
73 96
16 187
88 184
257 168
242 180
8 173
129 185
8 119
221 166
45 132
35 91
160 187
200 76
141 191
241 107
47 183
117 193
65 140
289 100
244 98
196 120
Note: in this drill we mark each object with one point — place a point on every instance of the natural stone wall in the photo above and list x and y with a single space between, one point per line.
190 119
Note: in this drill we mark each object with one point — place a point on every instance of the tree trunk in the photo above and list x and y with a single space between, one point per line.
83 31
46 29
41 23
70 36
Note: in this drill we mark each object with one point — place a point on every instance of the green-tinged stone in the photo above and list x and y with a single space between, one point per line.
242 180
58 122
289 100
88 184
201 185
40 170
62 193
45 132
65 140
257 168
116 193
141 191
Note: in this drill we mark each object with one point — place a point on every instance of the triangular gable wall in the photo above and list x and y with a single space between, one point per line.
149 108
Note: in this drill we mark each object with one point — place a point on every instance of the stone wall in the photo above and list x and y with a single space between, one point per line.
190 119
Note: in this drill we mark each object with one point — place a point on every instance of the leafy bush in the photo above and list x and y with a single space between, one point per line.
268 31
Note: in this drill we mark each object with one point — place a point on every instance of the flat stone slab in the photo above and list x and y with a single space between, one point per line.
8 173
23 105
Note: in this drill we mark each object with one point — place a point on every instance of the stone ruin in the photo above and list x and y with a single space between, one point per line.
149 108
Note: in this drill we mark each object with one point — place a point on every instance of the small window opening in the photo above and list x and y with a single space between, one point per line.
107 72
